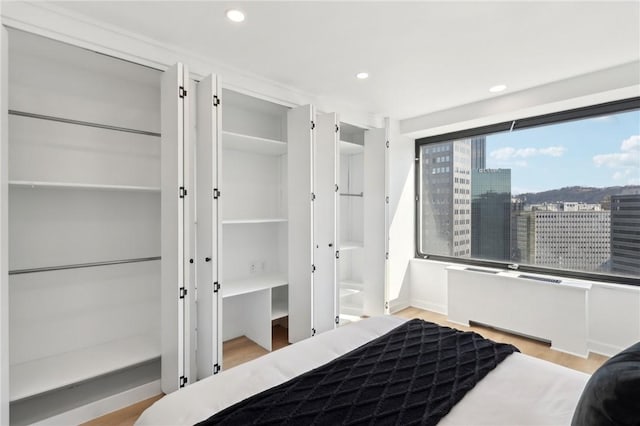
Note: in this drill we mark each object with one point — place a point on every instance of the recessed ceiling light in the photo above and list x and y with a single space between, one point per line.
235 15
362 75
497 88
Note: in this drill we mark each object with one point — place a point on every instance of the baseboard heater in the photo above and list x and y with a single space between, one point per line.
548 308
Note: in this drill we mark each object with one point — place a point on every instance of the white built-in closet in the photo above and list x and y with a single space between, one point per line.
362 226
84 226
153 217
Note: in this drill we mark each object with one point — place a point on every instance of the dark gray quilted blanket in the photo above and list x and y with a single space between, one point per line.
414 374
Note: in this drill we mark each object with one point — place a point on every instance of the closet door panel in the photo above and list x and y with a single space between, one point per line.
50 151
57 227
300 160
101 90
207 261
173 228
326 161
374 221
4 228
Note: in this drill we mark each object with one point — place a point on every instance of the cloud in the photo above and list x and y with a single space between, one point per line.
629 155
508 153
627 161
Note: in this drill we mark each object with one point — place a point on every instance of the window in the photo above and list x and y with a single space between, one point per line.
556 194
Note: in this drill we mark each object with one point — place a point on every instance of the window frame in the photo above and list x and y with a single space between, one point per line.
592 111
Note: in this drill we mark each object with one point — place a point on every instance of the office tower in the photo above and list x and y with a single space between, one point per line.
445 203
491 214
625 238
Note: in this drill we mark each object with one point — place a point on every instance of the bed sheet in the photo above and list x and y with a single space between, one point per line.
521 390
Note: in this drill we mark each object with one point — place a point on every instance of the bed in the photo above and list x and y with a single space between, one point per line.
519 390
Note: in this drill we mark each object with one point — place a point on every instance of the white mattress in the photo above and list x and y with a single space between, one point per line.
521 390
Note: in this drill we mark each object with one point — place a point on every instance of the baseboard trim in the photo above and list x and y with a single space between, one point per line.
428 306
602 348
104 406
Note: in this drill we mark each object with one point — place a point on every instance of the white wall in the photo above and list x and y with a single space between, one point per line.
401 226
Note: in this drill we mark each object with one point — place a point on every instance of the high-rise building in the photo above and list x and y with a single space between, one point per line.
446 198
491 214
479 153
625 235
569 240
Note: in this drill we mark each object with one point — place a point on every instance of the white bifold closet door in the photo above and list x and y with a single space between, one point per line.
375 220
325 224
4 232
208 228
177 265
300 126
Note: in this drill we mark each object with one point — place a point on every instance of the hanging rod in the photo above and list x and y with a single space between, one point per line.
345 194
82 265
82 123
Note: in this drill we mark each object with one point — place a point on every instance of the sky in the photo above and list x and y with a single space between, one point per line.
595 152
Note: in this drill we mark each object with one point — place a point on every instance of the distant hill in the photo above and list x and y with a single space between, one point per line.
578 194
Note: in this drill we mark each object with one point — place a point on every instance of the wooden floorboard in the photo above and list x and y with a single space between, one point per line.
241 350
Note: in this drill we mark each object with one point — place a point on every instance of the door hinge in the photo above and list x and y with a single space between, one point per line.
337 128
216 368
313 125
216 193
216 287
313 268
313 196
216 100
387 144
182 192
313 331
183 381
336 187
417 198
181 92
337 254
183 292
386 255
386 199
386 305
337 319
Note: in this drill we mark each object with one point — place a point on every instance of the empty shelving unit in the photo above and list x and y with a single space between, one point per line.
84 227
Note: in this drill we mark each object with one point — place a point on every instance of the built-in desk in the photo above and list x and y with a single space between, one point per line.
250 305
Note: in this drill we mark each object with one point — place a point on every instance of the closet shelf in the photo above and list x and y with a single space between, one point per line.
256 283
350 148
351 245
46 374
68 185
279 309
242 221
240 142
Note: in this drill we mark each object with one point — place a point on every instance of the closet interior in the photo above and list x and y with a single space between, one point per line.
84 226
253 210
362 222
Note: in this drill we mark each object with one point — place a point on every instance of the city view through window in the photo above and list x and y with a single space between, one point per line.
563 196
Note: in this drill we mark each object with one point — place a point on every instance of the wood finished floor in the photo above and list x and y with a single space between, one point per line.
241 350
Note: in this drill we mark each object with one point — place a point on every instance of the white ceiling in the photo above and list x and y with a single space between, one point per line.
421 56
